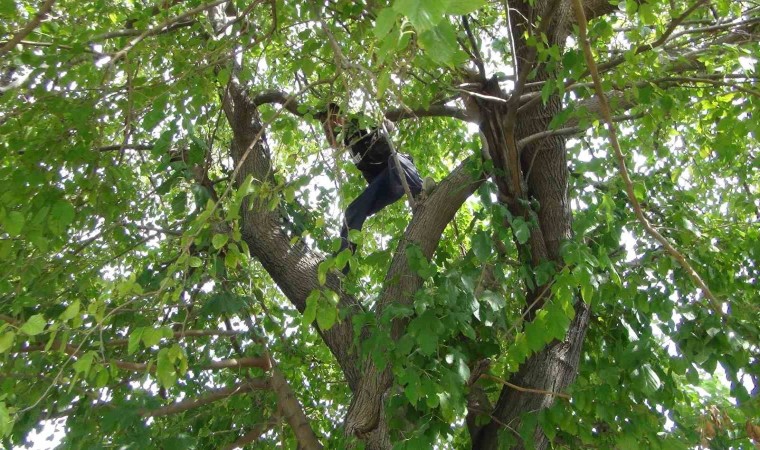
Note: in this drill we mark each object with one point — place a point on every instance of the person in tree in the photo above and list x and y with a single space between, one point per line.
379 163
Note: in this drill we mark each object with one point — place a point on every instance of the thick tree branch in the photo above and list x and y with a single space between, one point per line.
294 107
292 267
238 363
208 398
24 32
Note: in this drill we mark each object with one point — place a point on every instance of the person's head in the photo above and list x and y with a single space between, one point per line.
333 122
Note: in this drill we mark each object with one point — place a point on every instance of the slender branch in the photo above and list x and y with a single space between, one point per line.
286 397
74 351
9 320
133 32
612 135
478 58
211 397
525 389
664 37
394 115
522 143
55 45
182 335
438 110
253 434
24 32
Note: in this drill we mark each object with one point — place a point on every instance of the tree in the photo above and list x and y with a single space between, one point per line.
583 274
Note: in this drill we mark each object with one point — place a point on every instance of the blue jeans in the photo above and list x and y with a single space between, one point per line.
384 190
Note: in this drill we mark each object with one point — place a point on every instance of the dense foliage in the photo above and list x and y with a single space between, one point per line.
137 310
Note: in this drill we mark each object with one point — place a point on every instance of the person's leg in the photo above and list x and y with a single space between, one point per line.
374 198
384 190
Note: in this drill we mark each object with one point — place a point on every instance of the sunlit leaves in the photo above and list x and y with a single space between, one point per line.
441 45
118 252
424 14
13 223
34 325
6 420
386 19
61 215
322 306
6 340
83 363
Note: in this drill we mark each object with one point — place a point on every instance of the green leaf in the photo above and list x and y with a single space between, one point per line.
327 314
383 81
34 326
152 336
6 340
640 191
312 303
219 240
195 261
231 260
7 8
536 333
6 420
71 311
494 300
134 340
165 371
14 223
440 45
462 7
386 19
482 245
322 270
84 363
61 215
224 303
521 230
342 258
423 14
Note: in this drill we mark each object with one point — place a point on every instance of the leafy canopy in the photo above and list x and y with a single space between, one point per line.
125 277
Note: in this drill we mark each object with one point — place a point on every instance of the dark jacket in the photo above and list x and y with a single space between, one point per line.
370 150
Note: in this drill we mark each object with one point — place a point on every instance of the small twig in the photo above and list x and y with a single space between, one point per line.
525 389
182 335
612 135
157 29
136 147
522 143
489 98
664 38
24 32
478 58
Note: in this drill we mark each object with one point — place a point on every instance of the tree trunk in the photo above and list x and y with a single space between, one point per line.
545 175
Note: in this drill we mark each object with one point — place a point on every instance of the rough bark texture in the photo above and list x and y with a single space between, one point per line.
430 219
543 168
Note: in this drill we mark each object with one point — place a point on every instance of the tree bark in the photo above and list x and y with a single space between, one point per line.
543 169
